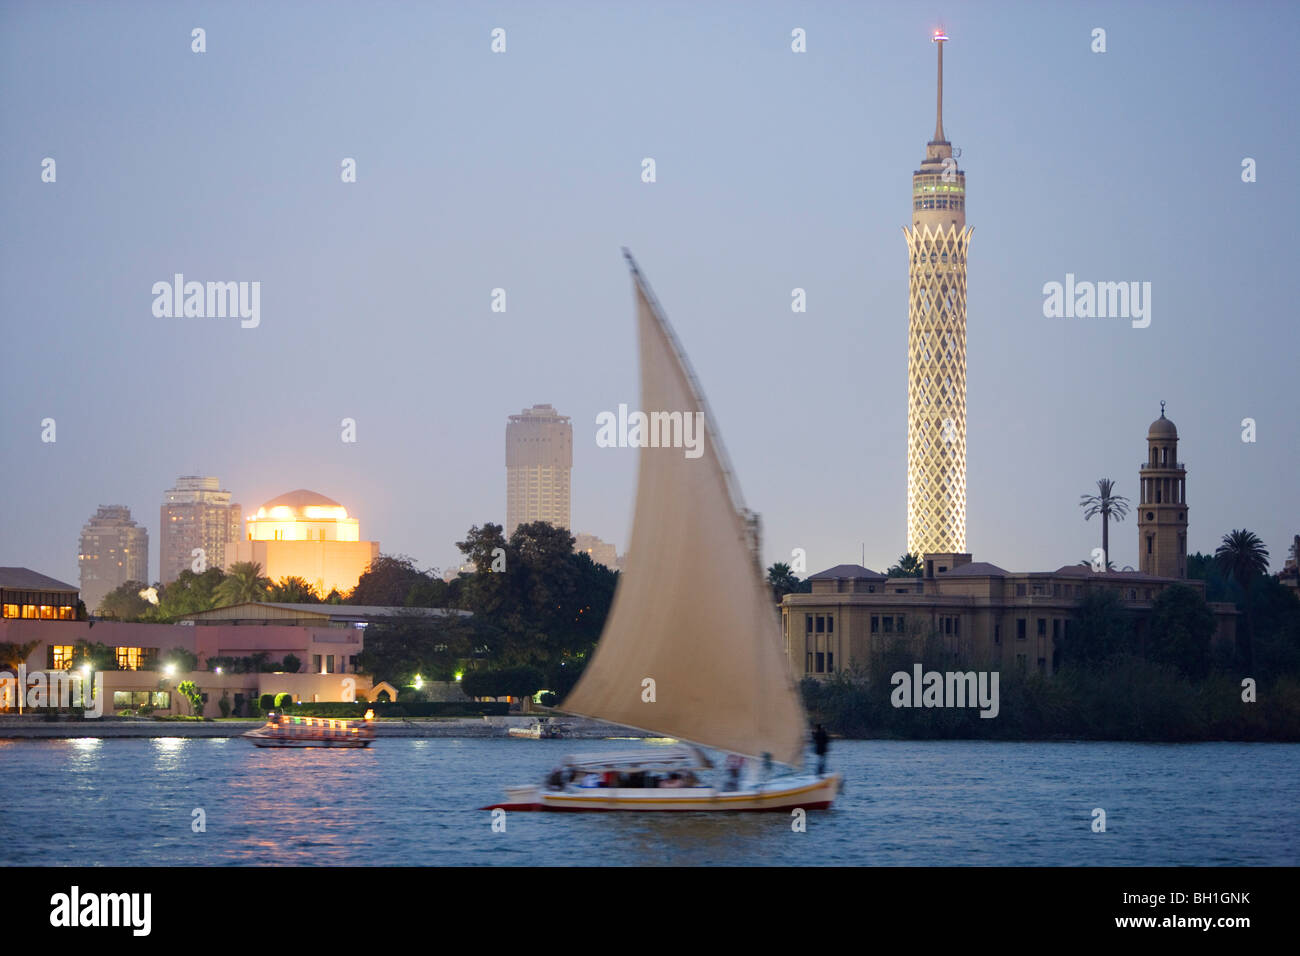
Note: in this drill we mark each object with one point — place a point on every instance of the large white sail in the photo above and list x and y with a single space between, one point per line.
692 612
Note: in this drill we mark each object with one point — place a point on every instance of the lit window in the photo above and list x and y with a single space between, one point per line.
129 658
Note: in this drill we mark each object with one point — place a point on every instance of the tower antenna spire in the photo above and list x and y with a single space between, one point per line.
939 39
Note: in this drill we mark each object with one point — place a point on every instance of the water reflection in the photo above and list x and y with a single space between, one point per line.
411 802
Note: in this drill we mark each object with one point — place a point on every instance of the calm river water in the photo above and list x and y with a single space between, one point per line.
411 802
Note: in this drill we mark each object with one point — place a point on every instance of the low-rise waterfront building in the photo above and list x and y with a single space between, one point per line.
327 657
30 595
982 613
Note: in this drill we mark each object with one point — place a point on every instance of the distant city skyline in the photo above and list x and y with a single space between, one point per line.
774 171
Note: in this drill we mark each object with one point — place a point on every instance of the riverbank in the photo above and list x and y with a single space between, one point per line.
38 728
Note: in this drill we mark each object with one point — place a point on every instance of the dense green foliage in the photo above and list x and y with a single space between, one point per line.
1129 698
522 681
534 603
259 663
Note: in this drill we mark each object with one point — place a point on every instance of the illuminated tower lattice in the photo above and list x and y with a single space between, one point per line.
937 242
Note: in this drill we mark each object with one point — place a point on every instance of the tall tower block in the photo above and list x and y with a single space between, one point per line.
937 242
1162 518
539 458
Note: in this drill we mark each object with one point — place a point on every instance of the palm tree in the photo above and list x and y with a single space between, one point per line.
1107 504
243 583
1243 557
908 566
1087 563
294 590
782 580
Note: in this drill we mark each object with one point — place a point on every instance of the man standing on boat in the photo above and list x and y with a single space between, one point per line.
821 744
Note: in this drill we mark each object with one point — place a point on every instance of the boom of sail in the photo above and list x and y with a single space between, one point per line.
692 613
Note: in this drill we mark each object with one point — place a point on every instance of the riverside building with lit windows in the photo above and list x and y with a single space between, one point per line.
324 639
26 594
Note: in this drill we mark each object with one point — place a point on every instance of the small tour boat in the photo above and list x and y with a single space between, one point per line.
283 731
692 649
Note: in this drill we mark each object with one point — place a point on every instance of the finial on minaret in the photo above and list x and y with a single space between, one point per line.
939 39
1162 408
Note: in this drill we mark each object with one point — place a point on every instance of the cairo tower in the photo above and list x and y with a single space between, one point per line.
936 347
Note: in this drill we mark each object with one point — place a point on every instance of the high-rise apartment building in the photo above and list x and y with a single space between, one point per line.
937 242
198 520
539 458
113 550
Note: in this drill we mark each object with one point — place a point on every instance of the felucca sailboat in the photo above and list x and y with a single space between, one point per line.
692 649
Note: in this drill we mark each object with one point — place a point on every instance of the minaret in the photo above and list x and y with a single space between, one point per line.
937 242
1162 517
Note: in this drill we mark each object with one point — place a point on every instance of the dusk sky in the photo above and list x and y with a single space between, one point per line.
522 170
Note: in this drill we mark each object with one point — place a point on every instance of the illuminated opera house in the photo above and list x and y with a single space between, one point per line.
306 535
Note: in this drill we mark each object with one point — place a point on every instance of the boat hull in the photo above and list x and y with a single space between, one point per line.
803 792
337 744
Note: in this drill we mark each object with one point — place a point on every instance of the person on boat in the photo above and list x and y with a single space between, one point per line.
672 781
821 744
735 762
